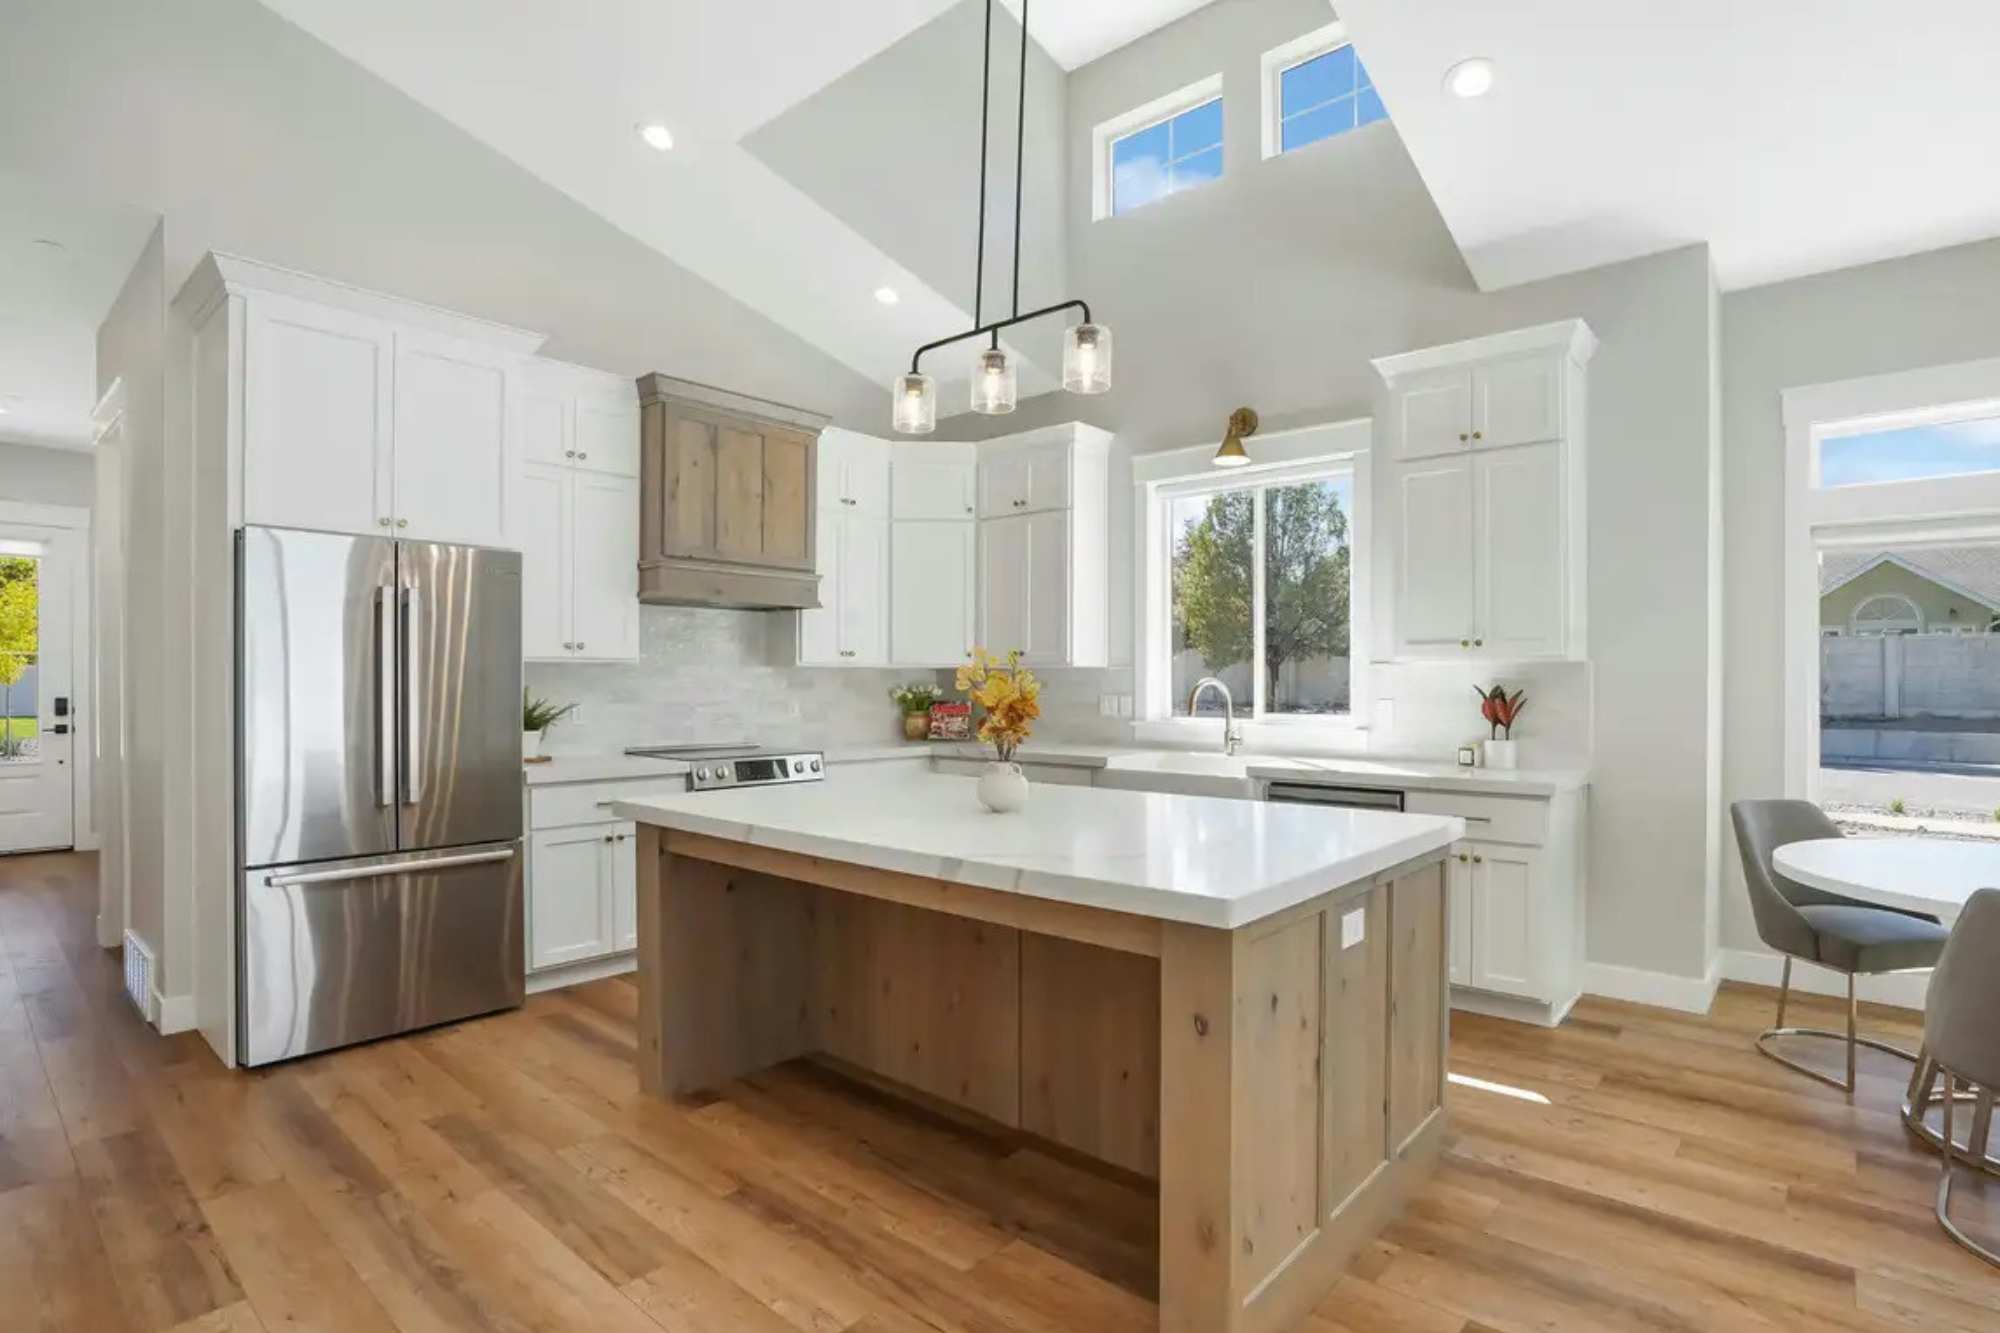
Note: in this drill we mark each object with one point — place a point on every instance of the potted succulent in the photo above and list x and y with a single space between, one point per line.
1501 710
915 702
1009 694
537 716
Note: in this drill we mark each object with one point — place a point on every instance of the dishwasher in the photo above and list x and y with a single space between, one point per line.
1350 798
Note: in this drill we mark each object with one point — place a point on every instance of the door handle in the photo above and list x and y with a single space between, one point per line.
413 717
393 868
385 694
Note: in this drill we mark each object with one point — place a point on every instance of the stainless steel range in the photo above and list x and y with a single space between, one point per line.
738 764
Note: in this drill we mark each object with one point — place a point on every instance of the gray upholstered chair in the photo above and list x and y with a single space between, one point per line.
1800 922
1962 1040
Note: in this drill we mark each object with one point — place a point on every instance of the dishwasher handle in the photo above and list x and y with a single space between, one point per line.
1352 798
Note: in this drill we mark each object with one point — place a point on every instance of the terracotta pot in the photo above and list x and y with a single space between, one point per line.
916 726
1003 788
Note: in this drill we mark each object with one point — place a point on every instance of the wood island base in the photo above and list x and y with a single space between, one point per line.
1282 1082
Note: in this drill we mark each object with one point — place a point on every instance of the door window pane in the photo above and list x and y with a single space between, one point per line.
1307 560
20 629
1210 635
1949 449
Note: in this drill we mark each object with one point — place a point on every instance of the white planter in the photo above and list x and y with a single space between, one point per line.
1501 754
531 744
1003 788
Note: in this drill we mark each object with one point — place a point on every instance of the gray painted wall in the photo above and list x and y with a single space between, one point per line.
253 137
891 150
1901 314
37 475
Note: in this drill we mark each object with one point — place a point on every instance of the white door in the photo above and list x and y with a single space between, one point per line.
570 899
1047 641
1434 414
317 418
604 558
933 487
1434 578
1003 584
1518 552
607 434
543 522
452 458
38 578
625 887
931 595
1517 402
819 628
864 590
1458 907
1504 939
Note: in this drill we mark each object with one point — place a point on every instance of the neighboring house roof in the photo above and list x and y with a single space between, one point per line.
1973 572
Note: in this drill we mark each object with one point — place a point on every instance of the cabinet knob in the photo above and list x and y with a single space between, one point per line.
383 521
1477 435
1463 858
1479 643
1465 643
579 645
582 453
609 838
1479 860
569 453
402 522
1463 437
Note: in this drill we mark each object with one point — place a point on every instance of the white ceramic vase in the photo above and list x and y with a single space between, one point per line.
1501 754
531 744
1003 788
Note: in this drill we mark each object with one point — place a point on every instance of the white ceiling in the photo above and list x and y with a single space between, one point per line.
62 262
1794 136
1076 32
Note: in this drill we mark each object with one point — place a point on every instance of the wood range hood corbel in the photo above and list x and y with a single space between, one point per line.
726 498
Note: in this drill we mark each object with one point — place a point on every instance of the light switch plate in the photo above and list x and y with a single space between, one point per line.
1124 705
1353 927
1107 705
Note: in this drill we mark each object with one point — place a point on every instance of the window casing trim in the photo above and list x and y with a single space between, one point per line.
1155 112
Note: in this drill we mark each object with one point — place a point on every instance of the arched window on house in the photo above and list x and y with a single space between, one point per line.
1886 613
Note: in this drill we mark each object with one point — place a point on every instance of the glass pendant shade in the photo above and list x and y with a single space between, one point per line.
1087 359
914 399
993 383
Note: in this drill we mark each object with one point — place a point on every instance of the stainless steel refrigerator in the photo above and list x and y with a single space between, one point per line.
378 689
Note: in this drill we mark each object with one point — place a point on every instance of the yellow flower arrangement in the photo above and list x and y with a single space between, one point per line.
1008 692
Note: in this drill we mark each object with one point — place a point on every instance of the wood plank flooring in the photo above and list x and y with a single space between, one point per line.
1633 1170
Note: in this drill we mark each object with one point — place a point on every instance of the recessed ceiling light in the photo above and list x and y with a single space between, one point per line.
887 295
657 136
1470 78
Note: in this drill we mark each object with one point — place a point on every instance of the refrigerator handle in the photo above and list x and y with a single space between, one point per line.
420 867
412 694
385 695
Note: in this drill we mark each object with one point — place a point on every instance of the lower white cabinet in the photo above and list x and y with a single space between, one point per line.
581 904
1496 944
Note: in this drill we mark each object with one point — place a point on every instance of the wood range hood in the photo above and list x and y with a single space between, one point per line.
726 498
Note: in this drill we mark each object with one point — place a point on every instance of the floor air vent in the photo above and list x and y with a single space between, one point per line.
139 975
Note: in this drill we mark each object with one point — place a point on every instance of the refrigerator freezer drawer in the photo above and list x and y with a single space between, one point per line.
340 952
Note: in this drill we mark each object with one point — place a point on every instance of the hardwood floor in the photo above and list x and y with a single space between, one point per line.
1635 1169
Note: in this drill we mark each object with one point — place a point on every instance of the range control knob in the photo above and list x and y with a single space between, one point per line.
701 775
815 765
722 772
798 765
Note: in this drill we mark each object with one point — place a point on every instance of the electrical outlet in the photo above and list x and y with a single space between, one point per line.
1107 705
1124 705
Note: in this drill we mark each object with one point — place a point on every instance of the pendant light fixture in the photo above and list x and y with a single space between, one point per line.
1086 346
1242 422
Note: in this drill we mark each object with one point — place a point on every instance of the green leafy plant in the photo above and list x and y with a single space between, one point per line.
1896 806
540 714
915 698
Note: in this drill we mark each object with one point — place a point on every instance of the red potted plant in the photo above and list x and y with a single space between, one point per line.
1501 710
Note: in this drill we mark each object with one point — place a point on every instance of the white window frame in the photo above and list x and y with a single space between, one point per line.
1308 453
1155 112
1289 56
1937 510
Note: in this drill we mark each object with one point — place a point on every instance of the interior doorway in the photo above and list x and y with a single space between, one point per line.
41 565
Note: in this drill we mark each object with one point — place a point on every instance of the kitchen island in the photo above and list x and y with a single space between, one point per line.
1243 1002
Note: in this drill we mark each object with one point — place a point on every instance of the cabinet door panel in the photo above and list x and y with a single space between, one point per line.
1434 414
739 493
1518 401
1519 552
788 499
864 590
819 629
453 466
1458 886
625 887
1047 640
1003 484
688 502
604 589
932 488
1504 939
930 592
545 427
544 523
1003 584
1434 577
607 435
318 416
1048 477
569 899
868 477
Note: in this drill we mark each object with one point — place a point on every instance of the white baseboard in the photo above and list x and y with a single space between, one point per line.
173 1013
1665 990
595 969
1903 989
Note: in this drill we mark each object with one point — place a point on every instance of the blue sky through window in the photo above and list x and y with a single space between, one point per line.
1155 162
1327 95
1954 449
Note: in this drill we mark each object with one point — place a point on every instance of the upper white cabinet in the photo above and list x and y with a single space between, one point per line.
933 481
1485 482
933 563
850 627
1044 546
853 473
363 413
578 515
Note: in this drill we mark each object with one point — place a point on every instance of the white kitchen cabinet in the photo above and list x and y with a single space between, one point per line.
851 625
546 556
1506 893
1035 475
625 888
1485 483
1044 547
571 916
933 575
853 473
933 482
578 515
455 464
1458 908
1024 566
604 564
607 431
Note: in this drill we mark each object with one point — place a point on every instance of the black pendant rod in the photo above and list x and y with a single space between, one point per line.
1020 156
985 96
997 325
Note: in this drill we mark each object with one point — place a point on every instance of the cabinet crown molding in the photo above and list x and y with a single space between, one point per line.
1068 432
219 274
657 388
1572 337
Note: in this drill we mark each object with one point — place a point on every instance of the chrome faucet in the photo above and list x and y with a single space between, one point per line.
1231 737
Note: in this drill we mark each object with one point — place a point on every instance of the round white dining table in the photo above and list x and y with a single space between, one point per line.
1930 875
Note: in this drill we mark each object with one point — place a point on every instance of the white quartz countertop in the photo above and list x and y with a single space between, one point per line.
1357 770
1201 860
599 768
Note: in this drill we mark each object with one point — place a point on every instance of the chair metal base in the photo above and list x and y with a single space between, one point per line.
1851 1038
1977 1148
1982 1125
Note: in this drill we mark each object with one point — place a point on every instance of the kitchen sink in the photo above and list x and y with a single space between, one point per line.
1195 773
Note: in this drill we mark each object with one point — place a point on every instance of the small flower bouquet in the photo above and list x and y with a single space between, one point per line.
1009 693
914 702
